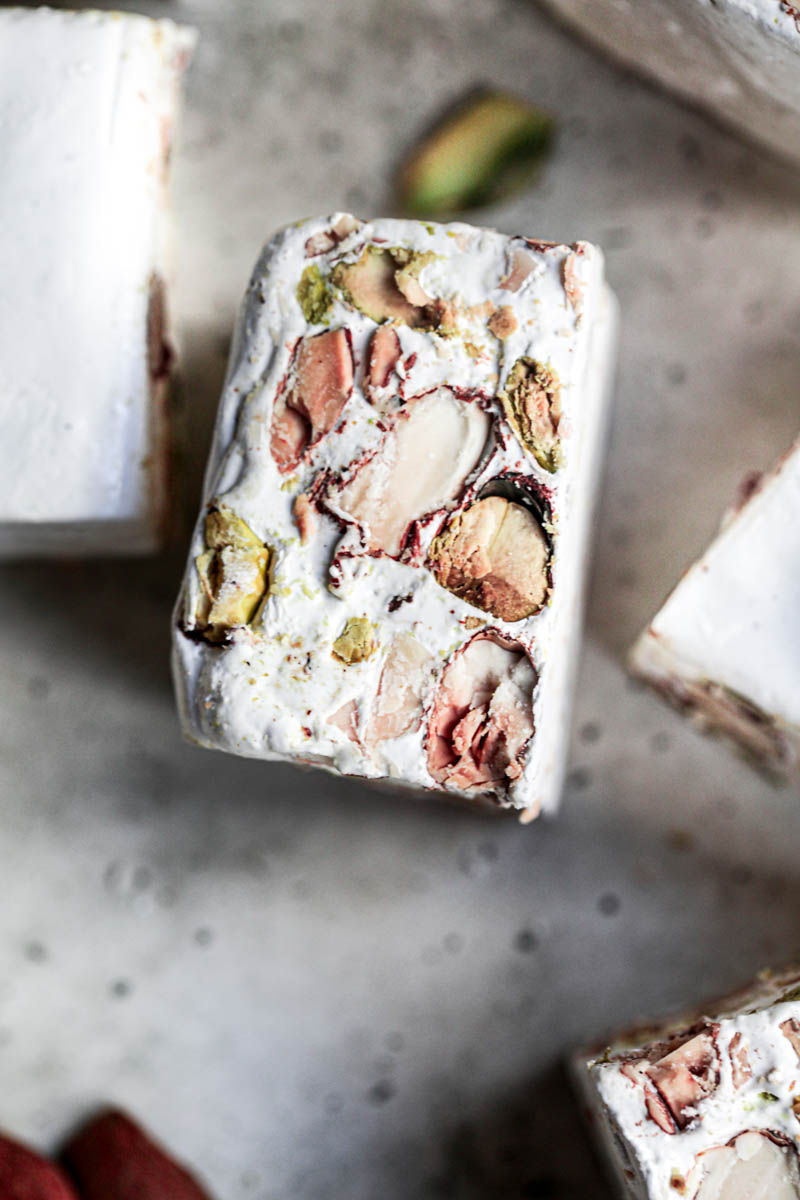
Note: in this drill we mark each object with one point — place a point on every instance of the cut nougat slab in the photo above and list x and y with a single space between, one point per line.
385 579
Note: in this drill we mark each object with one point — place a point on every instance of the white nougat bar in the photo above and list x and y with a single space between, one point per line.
704 1106
385 578
724 646
739 59
87 105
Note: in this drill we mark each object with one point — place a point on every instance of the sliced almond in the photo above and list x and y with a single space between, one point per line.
571 279
752 1166
320 385
791 1030
740 1063
421 465
303 512
382 359
520 265
398 702
686 1076
346 719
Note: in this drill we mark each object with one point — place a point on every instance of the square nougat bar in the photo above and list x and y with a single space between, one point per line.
385 578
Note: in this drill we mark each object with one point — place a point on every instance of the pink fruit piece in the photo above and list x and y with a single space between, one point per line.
112 1158
24 1175
320 384
482 716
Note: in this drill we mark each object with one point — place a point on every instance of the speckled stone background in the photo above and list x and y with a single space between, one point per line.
307 988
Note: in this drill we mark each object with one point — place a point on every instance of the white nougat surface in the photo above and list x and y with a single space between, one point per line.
87 103
738 59
424 443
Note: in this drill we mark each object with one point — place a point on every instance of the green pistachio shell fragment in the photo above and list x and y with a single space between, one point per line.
356 642
532 402
489 146
233 573
314 295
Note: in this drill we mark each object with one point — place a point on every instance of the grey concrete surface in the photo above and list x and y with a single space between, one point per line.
305 987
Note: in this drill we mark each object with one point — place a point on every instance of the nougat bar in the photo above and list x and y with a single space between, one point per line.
722 648
385 577
738 59
705 1106
87 104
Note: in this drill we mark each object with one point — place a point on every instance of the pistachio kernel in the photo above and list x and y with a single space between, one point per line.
356 643
233 573
532 403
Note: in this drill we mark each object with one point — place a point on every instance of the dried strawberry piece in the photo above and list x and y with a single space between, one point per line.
112 1158
25 1175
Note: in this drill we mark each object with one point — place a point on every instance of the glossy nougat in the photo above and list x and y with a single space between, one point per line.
705 1106
87 106
722 648
385 578
739 59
